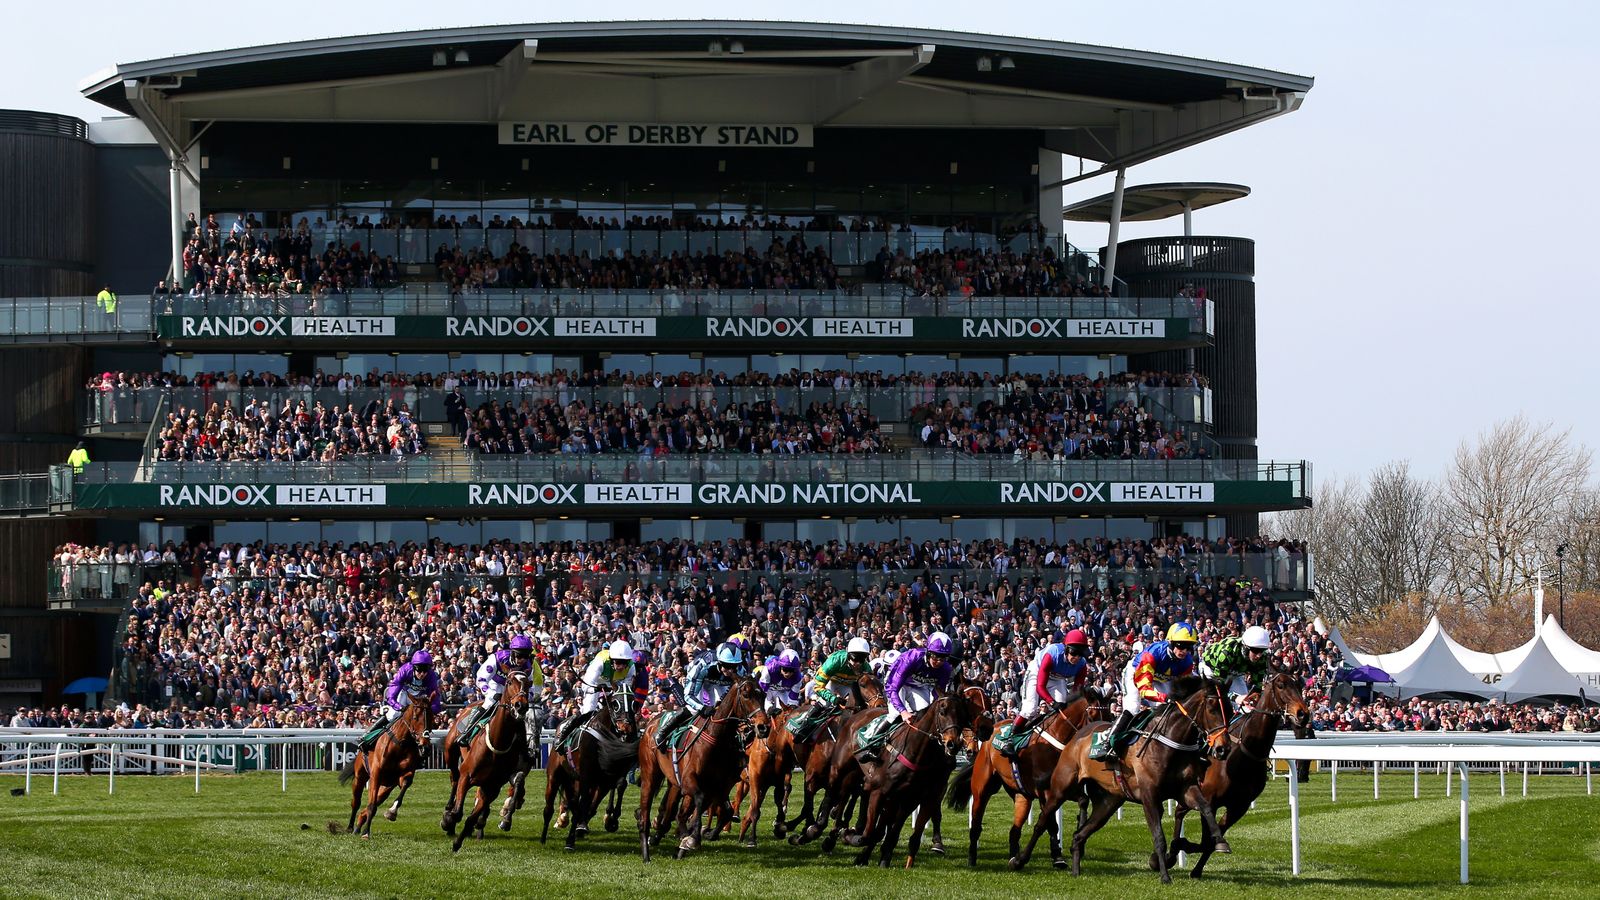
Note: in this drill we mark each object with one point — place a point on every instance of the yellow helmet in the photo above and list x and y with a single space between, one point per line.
1182 633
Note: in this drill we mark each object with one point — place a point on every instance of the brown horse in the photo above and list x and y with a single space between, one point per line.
1025 777
912 766
392 762
846 777
769 765
1166 762
487 762
606 748
700 773
813 757
1232 785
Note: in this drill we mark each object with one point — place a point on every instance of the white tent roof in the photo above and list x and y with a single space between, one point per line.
1573 656
1399 659
1539 675
1436 669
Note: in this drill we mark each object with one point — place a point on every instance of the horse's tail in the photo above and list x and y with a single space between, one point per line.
348 771
960 793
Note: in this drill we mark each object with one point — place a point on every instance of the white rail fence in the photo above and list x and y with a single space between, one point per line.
1456 755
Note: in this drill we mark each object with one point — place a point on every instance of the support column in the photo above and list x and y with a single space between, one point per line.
176 189
1116 225
1188 232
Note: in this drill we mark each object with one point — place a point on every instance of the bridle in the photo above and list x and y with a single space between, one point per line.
1216 739
519 706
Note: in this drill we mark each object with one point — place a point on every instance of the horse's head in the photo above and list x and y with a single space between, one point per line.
1204 703
418 714
945 719
971 708
516 693
1097 706
623 714
872 691
756 728
1281 694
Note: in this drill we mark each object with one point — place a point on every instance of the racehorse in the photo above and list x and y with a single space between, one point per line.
846 778
1025 777
769 764
392 762
487 762
813 757
1232 785
603 752
1166 762
702 770
912 765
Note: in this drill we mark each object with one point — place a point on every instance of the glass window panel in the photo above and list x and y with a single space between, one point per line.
740 198
673 363
517 530
453 532
600 199
416 363
1132 529
777 531
231 533
1034 364
884 200
844 199
972 198
507 199
728 365
627 362
920 530
928 364
293 532
824 361
887 363
930 198
871 530
992 365
666 530
791 196
569 530
965 529
770 364
1016 198
400 532
348 533
1037 529
819 530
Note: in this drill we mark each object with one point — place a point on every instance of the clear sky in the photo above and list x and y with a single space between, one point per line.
1424 223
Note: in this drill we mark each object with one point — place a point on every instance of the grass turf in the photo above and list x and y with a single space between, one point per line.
242 837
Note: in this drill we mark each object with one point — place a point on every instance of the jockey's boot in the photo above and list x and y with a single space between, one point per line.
670 722
566 727
1108 749
370 739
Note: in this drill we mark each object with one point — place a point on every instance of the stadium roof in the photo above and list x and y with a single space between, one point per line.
1114 106
1153 202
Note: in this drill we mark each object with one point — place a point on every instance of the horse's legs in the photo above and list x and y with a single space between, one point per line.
1020 804
1207 846
936 846
780 798
1047 811
393 811
472 820
891 831
378 793
641 816
358 784
551 787
614 805
757 791
928 810
1104 806
1053 825
577 803
454 803
1196 798
689 823
1158 834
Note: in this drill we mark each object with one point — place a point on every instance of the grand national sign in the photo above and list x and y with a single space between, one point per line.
843 498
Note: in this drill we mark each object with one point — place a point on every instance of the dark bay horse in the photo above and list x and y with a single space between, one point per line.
1166 762
392 762
605 750
1024 778
487 762
813 757
912 766
701 771
1235 783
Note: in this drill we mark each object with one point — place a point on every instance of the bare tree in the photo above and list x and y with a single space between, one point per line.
1328 530
1507 497
1400 538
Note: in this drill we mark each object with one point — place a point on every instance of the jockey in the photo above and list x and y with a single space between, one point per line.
500 665
834 679
1147 677
707 682
780 677
414 679
610 668
1239 662
882 664
917 678
641 676
743 643
1059 670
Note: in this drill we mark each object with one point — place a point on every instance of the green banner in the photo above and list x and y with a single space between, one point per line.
874 333
639 498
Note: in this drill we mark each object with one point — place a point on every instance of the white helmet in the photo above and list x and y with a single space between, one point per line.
858 645
889 657
620 650
1257 638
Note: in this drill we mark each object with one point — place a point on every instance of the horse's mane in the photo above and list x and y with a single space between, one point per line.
1188 685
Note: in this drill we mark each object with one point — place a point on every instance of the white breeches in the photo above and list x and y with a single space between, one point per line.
1059 688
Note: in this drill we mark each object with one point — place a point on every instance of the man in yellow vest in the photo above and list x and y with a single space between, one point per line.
78 458
107 301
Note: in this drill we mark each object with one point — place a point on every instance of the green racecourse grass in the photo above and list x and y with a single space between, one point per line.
242 837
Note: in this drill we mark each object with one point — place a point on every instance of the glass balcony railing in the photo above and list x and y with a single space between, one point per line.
25 494
83 582
130 409
922 466
65 318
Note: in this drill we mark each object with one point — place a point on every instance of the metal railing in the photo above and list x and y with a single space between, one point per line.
66 318
418 246
131 409
25 494
1290 572
623 468
882 300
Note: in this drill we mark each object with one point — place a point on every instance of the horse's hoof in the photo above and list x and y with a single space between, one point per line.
1166 878
1014 864
365 836
581 830
1059 863
852 839
611 825
936 848
795 840
1154 863
883 864
1222 847
390 815
1196 873
570 846
778 831
748 845
505 824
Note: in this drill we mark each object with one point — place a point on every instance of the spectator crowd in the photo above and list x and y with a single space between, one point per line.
293 431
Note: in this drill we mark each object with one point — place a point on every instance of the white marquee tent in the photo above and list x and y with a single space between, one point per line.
1539 675
1435 670
1582 662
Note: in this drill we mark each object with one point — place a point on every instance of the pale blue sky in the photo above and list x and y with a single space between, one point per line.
1424 222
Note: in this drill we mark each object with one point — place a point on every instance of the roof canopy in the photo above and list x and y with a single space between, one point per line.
1153 202
1115 106
1539 675
1435 670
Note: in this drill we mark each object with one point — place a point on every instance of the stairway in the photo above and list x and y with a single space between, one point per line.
444 449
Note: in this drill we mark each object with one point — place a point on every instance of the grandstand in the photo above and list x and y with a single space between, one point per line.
423 338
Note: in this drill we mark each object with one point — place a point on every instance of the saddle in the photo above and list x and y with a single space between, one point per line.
1127 737
805 723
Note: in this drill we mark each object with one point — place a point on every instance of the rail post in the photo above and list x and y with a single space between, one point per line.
55 778
1333 784
1463 823
1502 779
1294 825
27 779
111 771
1416 779
1377 767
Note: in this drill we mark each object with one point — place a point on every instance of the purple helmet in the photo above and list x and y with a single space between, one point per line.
788 659
521 642
422 658
938 642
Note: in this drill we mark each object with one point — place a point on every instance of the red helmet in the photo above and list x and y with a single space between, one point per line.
1076 636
